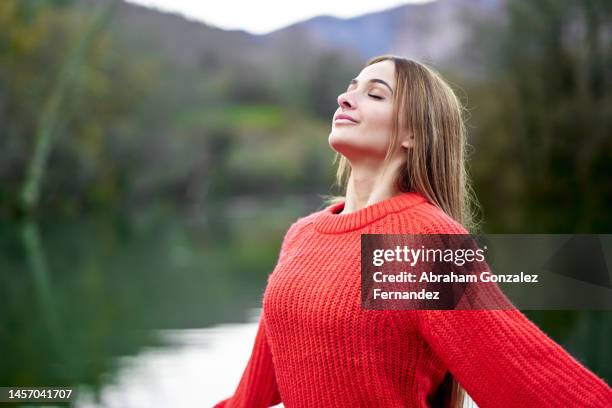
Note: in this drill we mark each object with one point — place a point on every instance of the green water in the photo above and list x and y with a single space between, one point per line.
78 294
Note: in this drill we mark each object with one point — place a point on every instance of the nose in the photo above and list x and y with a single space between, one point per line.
345 101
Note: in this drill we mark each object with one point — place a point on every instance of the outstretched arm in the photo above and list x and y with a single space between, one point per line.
502 359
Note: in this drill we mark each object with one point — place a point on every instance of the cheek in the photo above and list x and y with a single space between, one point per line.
380 122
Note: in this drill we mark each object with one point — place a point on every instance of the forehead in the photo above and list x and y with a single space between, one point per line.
384 70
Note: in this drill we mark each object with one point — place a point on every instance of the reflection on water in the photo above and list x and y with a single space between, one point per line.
84 300
198 368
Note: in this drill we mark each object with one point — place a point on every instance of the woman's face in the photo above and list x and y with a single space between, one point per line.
362 125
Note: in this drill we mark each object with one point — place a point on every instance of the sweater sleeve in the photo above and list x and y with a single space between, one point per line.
257 387
502 359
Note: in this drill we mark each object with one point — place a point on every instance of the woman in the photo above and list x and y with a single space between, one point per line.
400 137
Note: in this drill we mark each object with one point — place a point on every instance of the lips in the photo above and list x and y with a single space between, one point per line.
345 117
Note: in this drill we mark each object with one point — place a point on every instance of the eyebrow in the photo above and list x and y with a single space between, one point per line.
354 81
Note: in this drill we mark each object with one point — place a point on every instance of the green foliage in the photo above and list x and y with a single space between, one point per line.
82 106
545 119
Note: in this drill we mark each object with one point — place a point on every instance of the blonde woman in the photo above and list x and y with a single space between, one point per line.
400 139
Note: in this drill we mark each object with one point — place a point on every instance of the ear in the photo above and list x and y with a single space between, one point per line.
408 141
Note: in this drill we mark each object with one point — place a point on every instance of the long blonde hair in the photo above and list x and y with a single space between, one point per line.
425 105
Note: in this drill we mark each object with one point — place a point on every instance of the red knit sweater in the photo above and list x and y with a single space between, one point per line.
316 347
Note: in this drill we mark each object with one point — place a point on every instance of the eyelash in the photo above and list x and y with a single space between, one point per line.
380 98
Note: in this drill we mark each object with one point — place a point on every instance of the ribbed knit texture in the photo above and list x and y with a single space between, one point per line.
316 347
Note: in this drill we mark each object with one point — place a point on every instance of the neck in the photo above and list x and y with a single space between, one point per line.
368 185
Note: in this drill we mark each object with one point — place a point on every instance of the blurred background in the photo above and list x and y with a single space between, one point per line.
151 163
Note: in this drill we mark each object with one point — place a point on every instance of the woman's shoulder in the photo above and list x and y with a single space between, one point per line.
427 218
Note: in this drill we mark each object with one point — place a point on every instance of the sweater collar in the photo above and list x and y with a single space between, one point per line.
330 222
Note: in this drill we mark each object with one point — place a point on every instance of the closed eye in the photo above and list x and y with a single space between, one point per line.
376 96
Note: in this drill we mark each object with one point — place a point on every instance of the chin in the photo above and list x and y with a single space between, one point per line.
339 141
344 145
